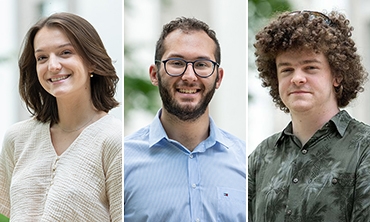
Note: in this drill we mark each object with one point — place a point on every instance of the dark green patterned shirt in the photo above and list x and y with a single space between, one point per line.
328 179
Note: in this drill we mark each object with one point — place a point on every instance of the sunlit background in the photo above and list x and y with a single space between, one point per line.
143 21
17 16
264 118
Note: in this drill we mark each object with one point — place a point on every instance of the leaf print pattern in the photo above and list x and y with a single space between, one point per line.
331 182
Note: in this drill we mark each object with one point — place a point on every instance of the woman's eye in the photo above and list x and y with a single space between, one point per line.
67 52
40 58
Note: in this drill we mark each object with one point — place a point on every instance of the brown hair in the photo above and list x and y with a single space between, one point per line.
186 25
329 34
89 46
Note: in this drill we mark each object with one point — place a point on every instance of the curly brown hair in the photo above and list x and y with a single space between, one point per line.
329 34
90 47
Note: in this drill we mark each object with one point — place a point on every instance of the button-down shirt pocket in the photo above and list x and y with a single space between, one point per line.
231 204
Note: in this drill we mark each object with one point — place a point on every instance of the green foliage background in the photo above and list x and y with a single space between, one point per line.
3 218
139 93
259 11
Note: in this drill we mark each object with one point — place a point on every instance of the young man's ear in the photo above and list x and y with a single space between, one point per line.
153 70
220 76
337 81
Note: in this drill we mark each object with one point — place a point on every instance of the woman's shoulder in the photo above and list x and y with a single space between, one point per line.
110 125
31 125
108 130
24 130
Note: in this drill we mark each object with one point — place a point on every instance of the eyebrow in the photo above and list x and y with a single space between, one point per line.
308 61
60 46
182 57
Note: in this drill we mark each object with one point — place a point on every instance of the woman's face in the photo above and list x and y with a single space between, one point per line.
60 69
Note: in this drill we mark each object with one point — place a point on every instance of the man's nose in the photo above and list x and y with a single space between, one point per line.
189 74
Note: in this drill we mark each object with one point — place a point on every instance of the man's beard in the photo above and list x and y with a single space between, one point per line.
186 112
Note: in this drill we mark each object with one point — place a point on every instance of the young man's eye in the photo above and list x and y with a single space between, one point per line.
176 63
311 68
286 70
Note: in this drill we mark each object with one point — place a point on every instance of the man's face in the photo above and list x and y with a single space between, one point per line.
306 82
187 96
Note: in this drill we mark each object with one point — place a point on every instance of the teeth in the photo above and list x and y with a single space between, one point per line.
188 91
58 79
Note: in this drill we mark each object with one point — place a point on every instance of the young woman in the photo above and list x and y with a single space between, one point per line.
65 163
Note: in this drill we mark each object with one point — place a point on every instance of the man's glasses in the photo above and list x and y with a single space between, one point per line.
176 67
313 15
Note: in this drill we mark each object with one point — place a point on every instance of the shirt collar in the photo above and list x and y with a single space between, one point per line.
157 134
341 121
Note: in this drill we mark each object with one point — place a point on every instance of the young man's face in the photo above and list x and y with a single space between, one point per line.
306 82
187 96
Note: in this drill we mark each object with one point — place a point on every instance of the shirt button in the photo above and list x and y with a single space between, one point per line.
197 220
304 151
191 156
295 180
193 185
334 181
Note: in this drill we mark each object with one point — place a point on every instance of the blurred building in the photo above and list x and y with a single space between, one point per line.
17 16
143 24
265 119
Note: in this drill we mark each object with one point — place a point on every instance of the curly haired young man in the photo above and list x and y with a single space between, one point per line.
318 167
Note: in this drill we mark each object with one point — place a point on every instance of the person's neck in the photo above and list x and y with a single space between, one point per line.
306 124
76 114
188 133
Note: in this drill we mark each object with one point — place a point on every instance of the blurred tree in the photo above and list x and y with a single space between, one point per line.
259 11
3 218
139 93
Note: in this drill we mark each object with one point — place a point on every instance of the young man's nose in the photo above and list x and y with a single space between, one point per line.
189 73
298 77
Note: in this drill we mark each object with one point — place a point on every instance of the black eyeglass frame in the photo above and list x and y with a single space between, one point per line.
186 66
315 14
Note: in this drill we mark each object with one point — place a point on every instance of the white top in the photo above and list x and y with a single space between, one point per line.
82 184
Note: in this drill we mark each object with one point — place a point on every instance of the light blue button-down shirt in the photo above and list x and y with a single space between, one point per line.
164 181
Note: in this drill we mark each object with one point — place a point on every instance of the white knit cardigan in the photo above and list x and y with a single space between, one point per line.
82 184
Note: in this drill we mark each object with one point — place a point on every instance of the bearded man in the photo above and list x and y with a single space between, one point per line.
182 167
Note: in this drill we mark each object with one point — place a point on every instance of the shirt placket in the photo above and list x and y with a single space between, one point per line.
194 187
294 192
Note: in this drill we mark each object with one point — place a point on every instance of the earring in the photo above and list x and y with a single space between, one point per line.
91 75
